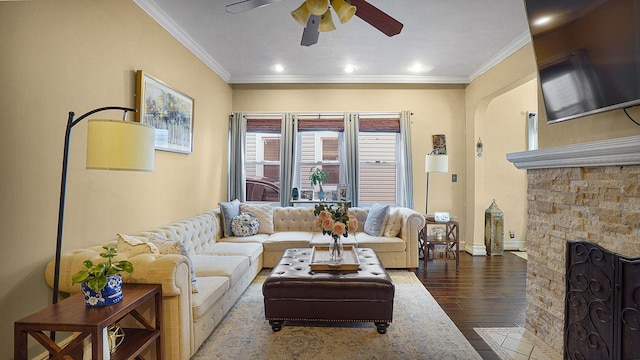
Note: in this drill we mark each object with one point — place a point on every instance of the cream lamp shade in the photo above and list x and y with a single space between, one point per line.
120 145
326 22
344 10
317 7
301 14
436 163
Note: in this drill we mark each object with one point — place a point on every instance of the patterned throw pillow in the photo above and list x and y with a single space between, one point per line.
264 213
245 224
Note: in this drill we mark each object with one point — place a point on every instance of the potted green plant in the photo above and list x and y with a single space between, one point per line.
317 177
101 283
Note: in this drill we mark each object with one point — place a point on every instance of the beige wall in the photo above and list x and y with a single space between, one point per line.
505 131
61 56
437 109
492 101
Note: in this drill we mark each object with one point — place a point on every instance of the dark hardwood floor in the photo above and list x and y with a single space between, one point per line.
486 292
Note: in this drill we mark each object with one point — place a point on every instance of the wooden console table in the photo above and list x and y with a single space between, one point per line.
72 315
450 239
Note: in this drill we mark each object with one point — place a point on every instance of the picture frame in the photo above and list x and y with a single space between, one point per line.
306 194
332 195
343 192
166 109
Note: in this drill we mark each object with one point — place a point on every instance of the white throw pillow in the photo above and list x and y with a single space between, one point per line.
264 213
394 222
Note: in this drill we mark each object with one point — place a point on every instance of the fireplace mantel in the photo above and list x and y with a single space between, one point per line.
620 151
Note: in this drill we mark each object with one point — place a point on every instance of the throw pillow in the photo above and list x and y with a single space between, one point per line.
229 210
245 224
394 222
133 245
374 225
264 213
176 247
130 245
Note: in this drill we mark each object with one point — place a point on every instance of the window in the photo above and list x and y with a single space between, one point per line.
262 160
319 149
321 141
378 167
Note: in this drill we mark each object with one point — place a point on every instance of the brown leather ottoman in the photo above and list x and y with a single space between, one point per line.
293 292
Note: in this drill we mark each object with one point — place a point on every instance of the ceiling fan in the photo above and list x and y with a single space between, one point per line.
315 16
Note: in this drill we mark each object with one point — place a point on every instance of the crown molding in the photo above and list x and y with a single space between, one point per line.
508 50
176 31
346 79
620 151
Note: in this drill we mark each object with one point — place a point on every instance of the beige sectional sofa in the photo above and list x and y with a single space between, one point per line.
225 266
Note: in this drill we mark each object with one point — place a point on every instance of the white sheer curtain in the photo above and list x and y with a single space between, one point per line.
404 175
236 179
288 156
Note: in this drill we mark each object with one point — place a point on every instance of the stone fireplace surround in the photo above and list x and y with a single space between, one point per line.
588 192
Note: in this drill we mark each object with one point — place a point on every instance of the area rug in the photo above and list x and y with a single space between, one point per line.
420 330
516 343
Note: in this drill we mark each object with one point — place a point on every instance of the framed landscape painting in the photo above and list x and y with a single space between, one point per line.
169 111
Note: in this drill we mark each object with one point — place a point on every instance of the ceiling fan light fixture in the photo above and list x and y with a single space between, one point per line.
317 7
301 14
326 22
344 10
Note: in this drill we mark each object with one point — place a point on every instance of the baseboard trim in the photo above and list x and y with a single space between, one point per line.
481 250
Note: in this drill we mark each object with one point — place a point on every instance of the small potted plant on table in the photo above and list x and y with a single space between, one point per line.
317 177
102 283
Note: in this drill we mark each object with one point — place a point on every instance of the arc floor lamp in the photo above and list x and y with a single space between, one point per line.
111 145
434 162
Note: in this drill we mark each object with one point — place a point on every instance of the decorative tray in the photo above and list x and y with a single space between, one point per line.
320 259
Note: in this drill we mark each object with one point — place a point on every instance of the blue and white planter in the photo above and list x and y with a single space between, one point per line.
109 295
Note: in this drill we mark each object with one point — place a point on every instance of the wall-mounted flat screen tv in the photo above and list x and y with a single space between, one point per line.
588 55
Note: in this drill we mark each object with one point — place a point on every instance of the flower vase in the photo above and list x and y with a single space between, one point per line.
336 249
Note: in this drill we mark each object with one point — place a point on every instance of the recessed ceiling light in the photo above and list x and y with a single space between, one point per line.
416 68
349 68
542 21
278 68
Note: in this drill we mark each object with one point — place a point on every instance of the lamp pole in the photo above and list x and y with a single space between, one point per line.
63 187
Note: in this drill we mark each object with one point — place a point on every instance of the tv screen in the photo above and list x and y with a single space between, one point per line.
588 55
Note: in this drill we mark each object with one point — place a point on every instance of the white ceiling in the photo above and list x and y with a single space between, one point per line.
454 40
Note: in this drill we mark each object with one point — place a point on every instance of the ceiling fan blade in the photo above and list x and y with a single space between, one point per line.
247 5
311 34
377 18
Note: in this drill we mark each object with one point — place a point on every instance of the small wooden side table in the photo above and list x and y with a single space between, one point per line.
72 315
451 240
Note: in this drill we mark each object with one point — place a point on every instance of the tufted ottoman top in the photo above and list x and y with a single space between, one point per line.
293 278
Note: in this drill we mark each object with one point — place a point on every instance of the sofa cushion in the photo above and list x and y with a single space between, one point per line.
257 238
374 225
229 210
280 241
393 224
245 224
264 213
251 250
380 243
323 240
212 288
215 265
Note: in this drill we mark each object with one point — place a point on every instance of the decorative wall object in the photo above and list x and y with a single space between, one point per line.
169 111
439 144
